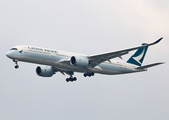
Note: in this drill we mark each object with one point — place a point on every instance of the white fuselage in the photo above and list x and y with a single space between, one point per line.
58 60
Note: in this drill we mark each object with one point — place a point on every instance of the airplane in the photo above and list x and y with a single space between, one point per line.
52 61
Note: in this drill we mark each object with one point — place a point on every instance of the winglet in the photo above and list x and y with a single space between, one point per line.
158 40
155 42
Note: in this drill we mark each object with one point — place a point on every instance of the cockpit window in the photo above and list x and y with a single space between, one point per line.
14 49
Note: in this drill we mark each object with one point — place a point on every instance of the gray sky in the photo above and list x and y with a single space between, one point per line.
88 27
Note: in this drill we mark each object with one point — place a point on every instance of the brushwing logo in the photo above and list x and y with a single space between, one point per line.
139 57
21 51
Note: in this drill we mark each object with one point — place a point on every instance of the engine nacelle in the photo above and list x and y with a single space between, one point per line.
44 71
79 61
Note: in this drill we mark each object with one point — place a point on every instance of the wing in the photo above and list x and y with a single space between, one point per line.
97 59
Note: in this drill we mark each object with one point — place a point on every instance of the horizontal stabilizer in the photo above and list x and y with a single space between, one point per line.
147 66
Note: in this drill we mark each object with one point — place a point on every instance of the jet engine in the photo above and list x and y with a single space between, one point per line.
79 61
44 71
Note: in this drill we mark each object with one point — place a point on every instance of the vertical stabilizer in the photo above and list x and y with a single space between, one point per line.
138 57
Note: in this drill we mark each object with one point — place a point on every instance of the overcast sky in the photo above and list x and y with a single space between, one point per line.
87 27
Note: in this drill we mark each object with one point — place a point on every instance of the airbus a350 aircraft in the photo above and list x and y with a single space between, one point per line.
53 61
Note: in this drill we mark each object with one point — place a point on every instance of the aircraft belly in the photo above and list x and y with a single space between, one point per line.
111 69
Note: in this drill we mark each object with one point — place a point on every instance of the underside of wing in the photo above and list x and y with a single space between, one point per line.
65 61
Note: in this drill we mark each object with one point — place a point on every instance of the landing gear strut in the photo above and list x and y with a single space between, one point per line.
71 78
89 74
16 62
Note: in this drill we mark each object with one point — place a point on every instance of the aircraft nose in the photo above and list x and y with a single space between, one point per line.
9 54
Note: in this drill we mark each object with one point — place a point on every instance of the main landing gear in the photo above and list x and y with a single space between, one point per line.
89 74
71 79
16 62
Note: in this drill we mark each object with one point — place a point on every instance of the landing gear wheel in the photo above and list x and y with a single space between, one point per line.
74 78
67 79
16 66
71 79
89 74
85 75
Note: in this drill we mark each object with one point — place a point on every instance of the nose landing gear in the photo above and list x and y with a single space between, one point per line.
16 62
